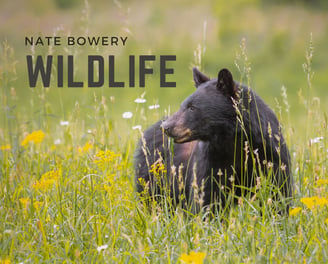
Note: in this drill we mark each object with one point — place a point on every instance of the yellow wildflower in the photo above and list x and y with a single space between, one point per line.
48 218
37 205
35 137
294 211
193 257
47 180
104 157
5 147
142 182
315 201
326 221
5 261
108 188
85 148
25 202
322 181
157 168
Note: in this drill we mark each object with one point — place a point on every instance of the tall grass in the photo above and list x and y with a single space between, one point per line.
67 196
67 189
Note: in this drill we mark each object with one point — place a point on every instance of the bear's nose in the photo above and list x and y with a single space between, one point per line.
165 127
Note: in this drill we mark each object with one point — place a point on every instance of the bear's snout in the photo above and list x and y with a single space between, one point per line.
166 127
176 130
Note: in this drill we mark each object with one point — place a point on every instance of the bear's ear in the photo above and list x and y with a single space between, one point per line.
199 77
226 83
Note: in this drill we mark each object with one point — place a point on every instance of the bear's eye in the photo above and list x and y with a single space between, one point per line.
191 107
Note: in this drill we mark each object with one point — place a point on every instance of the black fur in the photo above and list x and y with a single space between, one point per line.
212 131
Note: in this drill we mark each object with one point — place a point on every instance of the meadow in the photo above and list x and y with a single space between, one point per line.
66 154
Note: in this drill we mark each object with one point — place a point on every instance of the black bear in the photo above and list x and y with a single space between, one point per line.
225 138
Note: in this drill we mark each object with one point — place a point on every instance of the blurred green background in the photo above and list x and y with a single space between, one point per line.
270 38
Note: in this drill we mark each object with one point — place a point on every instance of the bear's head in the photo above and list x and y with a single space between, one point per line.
206 114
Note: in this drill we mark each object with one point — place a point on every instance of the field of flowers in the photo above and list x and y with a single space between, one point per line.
67 195
66 160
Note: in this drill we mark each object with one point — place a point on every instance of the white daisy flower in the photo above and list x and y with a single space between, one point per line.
64 123
136 127
127 115
140 100
316 140
155 106
103 247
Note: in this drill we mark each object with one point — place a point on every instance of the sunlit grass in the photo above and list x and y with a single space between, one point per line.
67 182
68 196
